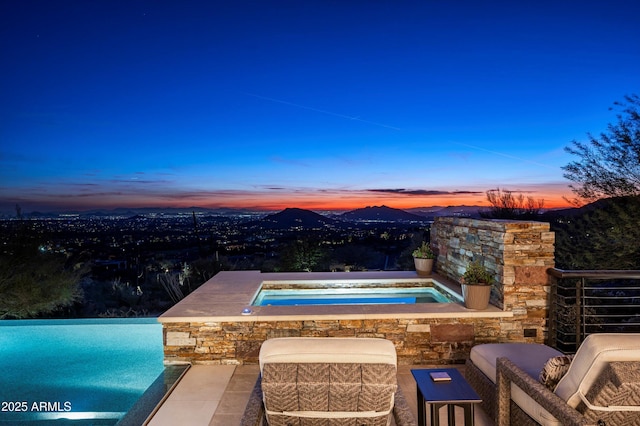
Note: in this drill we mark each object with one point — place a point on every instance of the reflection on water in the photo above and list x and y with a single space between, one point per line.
86 371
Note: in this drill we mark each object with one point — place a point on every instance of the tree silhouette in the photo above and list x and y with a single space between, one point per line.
603 237
507 205
609 165
606 236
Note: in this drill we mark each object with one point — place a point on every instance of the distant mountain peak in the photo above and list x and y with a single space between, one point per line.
296 217
381 213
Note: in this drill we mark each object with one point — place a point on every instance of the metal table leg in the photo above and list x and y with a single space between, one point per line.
422 420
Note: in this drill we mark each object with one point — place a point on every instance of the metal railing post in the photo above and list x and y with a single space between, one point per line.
579 311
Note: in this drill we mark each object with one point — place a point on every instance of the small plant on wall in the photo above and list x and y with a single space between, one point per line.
476 286
424 251
423 258
477 274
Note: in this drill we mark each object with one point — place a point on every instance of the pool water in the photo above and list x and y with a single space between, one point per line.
349 296
80 372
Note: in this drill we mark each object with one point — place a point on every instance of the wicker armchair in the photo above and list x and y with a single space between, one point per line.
307 381
481 368
613 399
601 386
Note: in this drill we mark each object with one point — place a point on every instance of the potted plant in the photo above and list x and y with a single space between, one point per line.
423 259
476 286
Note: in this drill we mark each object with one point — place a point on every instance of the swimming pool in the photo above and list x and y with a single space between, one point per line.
80 372
351 295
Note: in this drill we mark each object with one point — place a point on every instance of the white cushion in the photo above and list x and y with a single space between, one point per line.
591 358
532 408
327 350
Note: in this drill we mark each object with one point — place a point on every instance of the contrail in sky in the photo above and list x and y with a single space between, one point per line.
513 157
357 118
335 114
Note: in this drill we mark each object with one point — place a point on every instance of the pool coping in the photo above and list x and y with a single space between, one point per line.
224 297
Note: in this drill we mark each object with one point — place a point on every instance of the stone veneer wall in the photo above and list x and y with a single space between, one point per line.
517 252
417 341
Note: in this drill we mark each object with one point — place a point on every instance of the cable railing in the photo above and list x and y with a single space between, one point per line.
584 302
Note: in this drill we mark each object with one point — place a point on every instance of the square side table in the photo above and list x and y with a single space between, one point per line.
456 392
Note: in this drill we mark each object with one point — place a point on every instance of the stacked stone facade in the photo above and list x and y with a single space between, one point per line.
518 253
417 341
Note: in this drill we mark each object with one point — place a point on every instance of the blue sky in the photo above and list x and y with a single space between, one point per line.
312 104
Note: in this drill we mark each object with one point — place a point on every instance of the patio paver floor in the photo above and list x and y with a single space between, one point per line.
216 395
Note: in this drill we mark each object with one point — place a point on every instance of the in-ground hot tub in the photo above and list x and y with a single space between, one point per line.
308 292
219 324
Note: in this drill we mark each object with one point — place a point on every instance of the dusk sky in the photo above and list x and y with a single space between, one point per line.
312 104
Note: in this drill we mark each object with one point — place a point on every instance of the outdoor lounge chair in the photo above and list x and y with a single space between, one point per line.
307 380
600 387
481 367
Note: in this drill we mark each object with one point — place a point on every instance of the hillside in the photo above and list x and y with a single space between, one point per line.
381 214
295 218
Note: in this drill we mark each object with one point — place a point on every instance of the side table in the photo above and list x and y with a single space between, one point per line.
456 392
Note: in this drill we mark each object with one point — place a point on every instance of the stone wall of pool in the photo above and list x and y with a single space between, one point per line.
209 326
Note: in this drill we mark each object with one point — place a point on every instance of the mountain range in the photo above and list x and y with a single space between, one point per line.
371 213
309 219
290 218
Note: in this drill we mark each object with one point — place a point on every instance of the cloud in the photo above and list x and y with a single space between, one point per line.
422 192
102 194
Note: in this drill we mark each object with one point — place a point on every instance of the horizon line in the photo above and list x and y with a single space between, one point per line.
70 210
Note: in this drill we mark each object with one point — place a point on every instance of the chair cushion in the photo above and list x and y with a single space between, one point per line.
530 357
595 352
327 350
554 369
532 408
